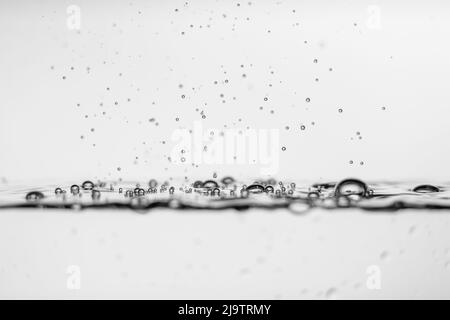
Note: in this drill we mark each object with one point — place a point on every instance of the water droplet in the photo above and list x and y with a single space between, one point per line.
350 187
210 184
74 189
269 189
139 191
255 188
426 188
87 185
197 184
34 196
313 195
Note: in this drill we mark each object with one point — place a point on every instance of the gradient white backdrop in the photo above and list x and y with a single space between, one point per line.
54 82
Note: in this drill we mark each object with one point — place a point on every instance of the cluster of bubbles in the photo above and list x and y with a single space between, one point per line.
227 193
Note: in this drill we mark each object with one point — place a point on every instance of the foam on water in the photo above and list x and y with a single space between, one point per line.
229 194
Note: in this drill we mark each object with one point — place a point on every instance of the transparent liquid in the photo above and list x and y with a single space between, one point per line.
228 194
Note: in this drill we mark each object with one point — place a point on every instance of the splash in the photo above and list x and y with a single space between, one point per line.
227 193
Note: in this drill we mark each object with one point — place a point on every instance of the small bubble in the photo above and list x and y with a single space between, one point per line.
34 196
426 188
74 189
255 188
308 99
283 148
350 187
340 110
58 191
87 185
210 184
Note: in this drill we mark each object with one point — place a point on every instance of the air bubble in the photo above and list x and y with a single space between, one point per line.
255 188
210 184
87 185
75 189
34 196
197 184
426 188
350 187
